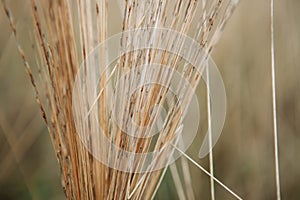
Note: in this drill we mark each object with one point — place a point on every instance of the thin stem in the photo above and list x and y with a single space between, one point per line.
211 161
274 104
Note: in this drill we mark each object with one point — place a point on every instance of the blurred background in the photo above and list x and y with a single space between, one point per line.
243 156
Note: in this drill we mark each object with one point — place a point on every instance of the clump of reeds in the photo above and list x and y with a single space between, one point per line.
66 32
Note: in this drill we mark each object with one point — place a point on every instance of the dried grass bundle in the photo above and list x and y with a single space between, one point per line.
66 34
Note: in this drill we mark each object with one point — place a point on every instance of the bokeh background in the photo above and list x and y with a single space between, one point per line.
244 155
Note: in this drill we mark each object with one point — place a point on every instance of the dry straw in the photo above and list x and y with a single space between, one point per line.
66 32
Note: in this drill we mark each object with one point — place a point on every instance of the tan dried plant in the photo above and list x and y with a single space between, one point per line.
66 32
